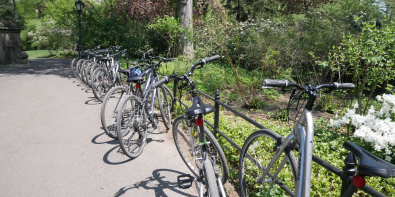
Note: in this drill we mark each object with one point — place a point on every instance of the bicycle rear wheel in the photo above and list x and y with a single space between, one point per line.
258 150
132 126
183 141
211 181
109 110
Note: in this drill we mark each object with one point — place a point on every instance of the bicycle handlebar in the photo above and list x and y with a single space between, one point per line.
286 83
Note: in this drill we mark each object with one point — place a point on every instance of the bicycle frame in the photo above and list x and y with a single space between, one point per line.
305 137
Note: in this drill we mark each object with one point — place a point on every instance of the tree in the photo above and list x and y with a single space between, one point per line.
184 8
5 8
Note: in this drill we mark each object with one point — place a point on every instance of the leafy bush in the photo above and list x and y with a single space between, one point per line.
327 103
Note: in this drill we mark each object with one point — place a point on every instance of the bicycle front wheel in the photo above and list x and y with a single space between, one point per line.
131 126
164 106
74 67
258 150
109 110
101 83
187 141
211 181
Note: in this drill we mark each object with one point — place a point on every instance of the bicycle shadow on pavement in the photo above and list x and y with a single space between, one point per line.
115 156
92 101
161 180
101 139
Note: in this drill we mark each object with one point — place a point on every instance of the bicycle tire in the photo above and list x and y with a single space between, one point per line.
78 68
170 93
83 70
93 68
109 110
164 107
100 83
73 66
210 180
87 73
128 120
183 144
261 146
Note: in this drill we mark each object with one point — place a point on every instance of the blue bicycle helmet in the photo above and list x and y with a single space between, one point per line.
135 72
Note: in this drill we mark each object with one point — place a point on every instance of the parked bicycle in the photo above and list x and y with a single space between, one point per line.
196 145
136 116
104 78
111 101
268 162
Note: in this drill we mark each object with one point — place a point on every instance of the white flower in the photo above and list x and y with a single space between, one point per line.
356 105
387 158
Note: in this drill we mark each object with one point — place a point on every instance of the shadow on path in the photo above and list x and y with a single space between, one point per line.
98 138
115 156
161 179
39 66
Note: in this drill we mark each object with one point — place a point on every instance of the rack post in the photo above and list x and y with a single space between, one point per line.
216 113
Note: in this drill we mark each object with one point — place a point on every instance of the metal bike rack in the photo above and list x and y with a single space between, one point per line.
368 189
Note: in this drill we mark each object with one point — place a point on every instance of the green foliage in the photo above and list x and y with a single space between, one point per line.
168 29
368 59
271 94
257 103
281 114
327 103
6 8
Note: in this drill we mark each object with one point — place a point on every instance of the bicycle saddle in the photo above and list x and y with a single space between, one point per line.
369 164
128 70
105 58
198 107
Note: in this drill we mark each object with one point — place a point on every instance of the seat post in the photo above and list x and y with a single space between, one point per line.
349 170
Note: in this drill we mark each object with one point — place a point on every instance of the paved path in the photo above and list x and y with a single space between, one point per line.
52 145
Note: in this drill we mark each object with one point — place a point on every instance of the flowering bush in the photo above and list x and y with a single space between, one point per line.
48 35
376 127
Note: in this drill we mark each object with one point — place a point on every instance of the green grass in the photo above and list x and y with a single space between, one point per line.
50 53
38 54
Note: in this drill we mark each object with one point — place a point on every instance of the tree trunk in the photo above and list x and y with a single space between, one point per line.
370 96
14 11
184 8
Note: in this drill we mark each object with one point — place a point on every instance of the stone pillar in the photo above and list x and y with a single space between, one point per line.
10 43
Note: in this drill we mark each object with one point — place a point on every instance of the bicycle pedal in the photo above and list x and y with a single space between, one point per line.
185 181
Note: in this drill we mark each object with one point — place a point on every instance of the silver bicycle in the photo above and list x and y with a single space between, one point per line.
268 164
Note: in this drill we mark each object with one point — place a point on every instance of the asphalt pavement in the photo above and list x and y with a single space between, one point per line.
52 143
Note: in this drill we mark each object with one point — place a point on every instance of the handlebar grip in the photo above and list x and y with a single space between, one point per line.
343 85
149 50
207 60
275 83
165 79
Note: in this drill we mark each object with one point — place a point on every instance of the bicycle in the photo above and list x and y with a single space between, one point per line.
109 109
267 160
105 78
196 145
136 114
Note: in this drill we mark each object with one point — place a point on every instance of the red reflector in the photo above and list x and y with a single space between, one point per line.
358 181
199 122
137 85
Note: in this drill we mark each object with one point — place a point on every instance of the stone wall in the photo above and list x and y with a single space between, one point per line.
10 43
